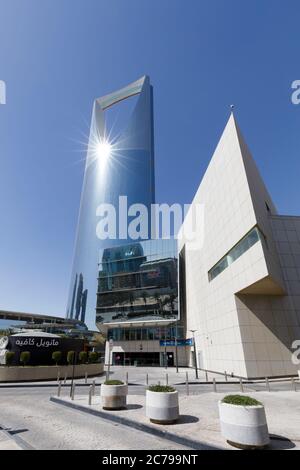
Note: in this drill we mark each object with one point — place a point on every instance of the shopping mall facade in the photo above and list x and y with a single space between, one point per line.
236 288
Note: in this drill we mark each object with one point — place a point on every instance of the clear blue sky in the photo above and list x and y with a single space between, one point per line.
56 56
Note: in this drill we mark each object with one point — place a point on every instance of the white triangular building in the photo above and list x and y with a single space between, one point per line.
240 287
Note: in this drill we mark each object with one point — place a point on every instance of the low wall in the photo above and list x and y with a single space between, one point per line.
36 373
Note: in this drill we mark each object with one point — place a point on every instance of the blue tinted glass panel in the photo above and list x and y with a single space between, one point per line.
242 246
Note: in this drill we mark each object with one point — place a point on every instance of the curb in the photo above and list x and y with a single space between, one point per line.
185 441
16 439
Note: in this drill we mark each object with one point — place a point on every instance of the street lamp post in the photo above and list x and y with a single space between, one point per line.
165 355
176 346
195 353
73 372
110 348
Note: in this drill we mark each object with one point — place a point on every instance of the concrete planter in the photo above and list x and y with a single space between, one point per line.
244 426
37 373
162 407
114 397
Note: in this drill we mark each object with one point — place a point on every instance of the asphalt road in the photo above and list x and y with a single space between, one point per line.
41 424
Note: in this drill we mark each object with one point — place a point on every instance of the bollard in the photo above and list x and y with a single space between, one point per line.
90 394
126 378
187 383
294 386
85 378
59 389
73 392
267 384
226 378
65 379
206 376
167 379
147 379
241 385
93 387
214 385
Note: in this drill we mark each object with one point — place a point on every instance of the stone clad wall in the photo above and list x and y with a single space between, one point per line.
35 373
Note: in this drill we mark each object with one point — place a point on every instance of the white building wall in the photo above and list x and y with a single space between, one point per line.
237 330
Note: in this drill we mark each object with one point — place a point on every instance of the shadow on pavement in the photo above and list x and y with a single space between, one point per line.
134 407
185 419
280 442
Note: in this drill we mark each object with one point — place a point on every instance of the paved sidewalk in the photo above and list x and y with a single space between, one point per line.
199 425
138 376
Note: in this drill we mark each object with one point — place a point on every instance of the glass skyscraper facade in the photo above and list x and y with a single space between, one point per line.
129 171
138 282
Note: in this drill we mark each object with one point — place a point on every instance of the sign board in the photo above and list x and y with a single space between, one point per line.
41 347
180 342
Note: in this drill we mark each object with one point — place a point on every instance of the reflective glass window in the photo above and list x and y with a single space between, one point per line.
241 247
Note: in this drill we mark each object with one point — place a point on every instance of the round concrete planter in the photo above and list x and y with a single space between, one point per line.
114 397
162 407
244 426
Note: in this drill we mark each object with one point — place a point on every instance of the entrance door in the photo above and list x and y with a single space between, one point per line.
118 359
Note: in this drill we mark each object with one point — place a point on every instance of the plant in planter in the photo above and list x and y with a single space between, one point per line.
243 422
162 405
83 357
9 357
70 357
93 356
25 357
56 356
114 395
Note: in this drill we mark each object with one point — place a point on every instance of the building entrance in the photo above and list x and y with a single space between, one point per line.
167 359
135 359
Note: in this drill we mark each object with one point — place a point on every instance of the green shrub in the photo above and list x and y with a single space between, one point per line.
9 357
83 357
113 382
241 400
93 356
56 356
70 357
25 357
161 388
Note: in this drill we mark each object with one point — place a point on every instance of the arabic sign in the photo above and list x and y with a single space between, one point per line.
37 342
180 342
42 347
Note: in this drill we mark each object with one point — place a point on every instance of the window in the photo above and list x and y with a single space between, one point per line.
241 247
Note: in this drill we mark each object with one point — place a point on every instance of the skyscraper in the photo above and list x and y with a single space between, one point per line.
116 165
